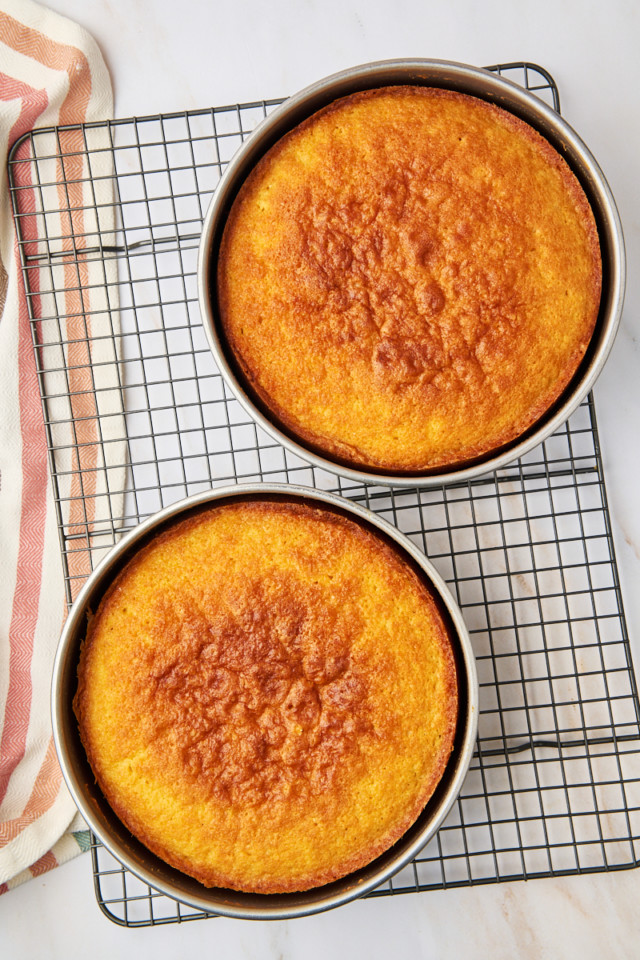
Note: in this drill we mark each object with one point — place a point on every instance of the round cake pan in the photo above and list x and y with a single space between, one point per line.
140 861
476 82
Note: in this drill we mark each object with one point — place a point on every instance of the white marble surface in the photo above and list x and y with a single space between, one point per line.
167 56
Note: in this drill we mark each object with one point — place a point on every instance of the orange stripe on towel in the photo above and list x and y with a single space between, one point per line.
62 57
24 616
43 796
73 110
44 864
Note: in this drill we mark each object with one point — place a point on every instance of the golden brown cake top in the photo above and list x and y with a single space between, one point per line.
267 695
409 279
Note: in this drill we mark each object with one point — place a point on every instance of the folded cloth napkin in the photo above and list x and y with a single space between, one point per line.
51 73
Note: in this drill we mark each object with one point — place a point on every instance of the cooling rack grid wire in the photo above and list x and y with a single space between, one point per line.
137 417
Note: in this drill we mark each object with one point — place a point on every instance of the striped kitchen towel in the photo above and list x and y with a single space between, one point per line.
51 73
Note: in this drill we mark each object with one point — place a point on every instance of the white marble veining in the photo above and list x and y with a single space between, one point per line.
166 56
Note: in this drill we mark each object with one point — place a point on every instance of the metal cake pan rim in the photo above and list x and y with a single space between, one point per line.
276 907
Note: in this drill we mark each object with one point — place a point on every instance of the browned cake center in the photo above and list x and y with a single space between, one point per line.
267 696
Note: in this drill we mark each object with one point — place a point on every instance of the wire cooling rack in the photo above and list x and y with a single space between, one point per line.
109 218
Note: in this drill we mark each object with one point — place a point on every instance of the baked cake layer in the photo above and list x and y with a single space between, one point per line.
409 280
268 695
